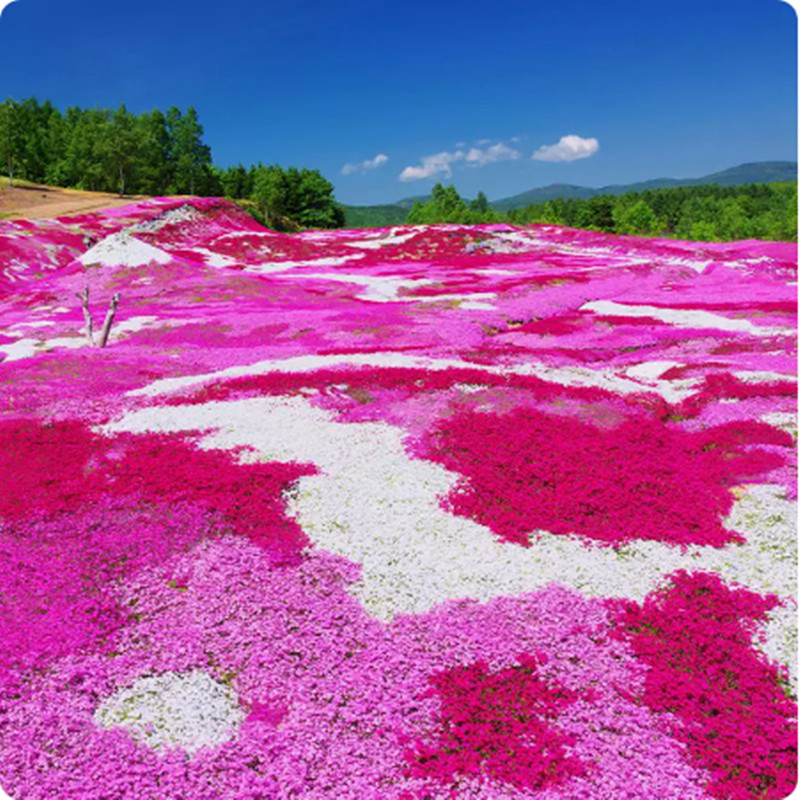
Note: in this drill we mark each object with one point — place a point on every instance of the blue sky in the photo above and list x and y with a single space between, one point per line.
678 88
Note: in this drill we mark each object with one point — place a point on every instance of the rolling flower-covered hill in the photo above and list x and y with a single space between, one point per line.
421 512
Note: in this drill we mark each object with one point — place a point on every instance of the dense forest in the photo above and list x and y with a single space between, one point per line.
154 153
163 153
704 213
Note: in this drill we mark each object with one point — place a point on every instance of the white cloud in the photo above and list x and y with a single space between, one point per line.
441 163
432 165
367 164
569 148
497 152
482 142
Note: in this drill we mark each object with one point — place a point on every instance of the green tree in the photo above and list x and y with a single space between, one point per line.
597 213
445 205
34 122
235 182
153 169
296 198
55 137
317 207
271 194
696 208
190 157
480 204
448 205
117 148
11 138
417 214
637 218
480 211
702 231
82 164
732 220
707 212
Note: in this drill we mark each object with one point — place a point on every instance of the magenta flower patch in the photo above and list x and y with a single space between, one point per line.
498 724
735 716
62 467
641 480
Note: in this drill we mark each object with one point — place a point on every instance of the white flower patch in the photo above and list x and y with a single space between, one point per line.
376 242
42 323
780 639
245 234
762 376
123 250
612 381
268 267
496 271
785 420
375 505
379 289
310 362
27 348
184 213
464 300
672 391
213 259
698 265
681 318
518 239
190 711
650 370
133 324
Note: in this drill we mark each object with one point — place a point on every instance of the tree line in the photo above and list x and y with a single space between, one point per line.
701 213
153 153
163 153
108 150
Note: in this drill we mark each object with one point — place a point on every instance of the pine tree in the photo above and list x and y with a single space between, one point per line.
153 170
190 157
117 148
11 139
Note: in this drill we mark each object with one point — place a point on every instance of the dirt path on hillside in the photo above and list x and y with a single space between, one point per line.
36 202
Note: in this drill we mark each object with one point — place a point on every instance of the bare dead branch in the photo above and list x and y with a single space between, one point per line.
84 298
112 309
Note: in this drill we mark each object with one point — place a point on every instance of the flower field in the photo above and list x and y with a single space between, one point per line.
423 512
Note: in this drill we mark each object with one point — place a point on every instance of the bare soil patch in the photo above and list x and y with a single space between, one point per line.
31 201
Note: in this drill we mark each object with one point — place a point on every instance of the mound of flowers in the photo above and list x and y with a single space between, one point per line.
422 512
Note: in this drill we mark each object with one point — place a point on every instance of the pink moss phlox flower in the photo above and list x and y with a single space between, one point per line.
735 717
603 388
639 480
498 723
60 467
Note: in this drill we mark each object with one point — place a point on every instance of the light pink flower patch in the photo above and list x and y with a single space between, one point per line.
335 699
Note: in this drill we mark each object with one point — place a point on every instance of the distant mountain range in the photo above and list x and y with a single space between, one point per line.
755 172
